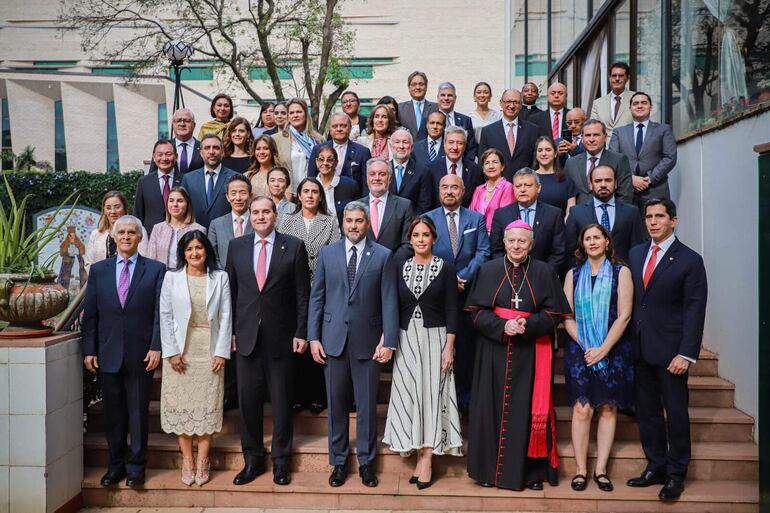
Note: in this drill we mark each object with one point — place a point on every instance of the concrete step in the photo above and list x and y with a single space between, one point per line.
310 490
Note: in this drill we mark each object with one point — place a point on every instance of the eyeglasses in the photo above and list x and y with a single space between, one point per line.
183 120
328 160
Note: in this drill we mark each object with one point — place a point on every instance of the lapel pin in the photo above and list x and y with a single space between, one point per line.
409 172
282 247
671 258
367 253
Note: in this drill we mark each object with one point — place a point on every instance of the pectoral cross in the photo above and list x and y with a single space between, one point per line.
516 301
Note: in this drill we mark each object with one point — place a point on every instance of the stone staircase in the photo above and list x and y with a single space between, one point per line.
723 475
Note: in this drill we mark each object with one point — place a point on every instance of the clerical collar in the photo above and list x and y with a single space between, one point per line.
523 263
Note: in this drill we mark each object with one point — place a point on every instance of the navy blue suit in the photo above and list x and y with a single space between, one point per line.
627 230
493 136
463 121
346 191
421 155
416 186
354 164
195 183
472 178
121 336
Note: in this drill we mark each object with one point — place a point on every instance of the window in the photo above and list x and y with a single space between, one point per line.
60 145
113 161
7 147
162 121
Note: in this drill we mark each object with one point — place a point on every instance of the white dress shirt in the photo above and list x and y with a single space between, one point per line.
459 167
268 248
190 143
588 160
551 113
162 182
359 251
329 193
341 149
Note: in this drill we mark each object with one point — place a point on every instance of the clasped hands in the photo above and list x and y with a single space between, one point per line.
152 359
515 326
640 183
178 364
382 354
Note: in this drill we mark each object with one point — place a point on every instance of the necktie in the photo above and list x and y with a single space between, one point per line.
453 232
511 139
605 217
239 228
453 169
556 125
526 215
340 157
352 266
617 108
375 215
432 153
166 189
593 165
210 188
639 138
124 282
418 114
650 265
262 265
183 158
399 177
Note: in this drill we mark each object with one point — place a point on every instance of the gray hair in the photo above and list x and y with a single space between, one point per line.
454 129
374 160
127 219
341 115
447 85
357 205
402 131
184 111
527 171
594 121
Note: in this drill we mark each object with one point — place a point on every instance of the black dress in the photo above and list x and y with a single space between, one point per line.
237 164
556 193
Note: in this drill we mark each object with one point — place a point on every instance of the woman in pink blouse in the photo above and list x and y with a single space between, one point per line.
496 192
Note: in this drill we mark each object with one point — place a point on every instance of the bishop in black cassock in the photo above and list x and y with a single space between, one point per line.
515 303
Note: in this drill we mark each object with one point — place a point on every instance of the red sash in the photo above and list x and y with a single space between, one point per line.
542 402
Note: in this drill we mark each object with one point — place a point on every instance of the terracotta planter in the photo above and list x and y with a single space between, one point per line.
25 302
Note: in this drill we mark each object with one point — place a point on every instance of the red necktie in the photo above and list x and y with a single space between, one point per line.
166 189
453 169
650 266
262 265
556 125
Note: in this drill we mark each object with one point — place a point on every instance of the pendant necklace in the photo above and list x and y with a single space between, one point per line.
515 299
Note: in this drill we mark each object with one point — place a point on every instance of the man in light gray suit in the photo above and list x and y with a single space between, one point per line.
236 222
413 114
578 167
650 148
353 329
612 108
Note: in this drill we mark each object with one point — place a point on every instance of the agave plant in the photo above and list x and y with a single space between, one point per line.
19 250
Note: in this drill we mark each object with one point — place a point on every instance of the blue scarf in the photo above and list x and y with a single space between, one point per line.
304 140
592 308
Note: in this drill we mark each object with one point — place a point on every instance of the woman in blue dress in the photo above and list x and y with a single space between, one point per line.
598 360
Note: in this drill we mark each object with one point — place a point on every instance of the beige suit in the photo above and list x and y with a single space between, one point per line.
603 109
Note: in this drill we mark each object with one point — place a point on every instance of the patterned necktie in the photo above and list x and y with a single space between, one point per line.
453 232
511 139
239 228
453 169
526 215
593 166
399 177
605 217
166 189
639 138
124 282
262 265
432 153
352 266
650 265
617 108
210 188
183 159
375 215
556 125
418 114
340 157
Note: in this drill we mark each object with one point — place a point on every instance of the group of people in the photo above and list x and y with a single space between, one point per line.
264 264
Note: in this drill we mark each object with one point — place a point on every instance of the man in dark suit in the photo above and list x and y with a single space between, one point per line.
188 148
447 97
463 241
389 215
414 113
152 189
547 222
650 148
670 292
514 137
621 219
206 185
454 163
575 119
579 166
529 95
431 148
121 341
351 156
553 120
270 281
353 329
409 181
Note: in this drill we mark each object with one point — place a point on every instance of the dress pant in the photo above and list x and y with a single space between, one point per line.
311 384
666 441
258 377
363 376
126 403
231 381
465 355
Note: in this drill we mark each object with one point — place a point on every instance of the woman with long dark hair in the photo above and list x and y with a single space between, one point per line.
180 219
557 189
237 144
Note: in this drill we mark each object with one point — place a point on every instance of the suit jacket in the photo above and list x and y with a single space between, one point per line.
122 335
669 314
627 231
473 247
353 166
421 155
394 225
493 136
345 191
175 310
576 170
463 121
358 315
548 229
472 178
282 303
525 112
221 233
148 200
603 108
407 118
416 186
543 120
196 161
195 183
656 159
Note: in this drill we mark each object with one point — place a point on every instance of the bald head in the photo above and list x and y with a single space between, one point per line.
450 191
510 104
574 119
557 96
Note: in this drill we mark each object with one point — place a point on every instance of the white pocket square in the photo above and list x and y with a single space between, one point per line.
469 230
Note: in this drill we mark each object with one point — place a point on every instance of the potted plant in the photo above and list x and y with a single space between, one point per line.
29 293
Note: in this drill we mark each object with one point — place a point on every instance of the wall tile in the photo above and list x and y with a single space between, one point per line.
5 437
27 386
4 490
27 440
25 485
56 384
5 389
3 355
26 355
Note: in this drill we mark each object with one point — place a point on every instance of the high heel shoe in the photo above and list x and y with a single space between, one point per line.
188 471
202 475
414 479
422 485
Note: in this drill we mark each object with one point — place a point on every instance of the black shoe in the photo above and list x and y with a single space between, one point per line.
248 474
113 477
135 480
413 479
603 482
298 407
536 485
368 477
338 476
281 474
423 486
579 482
316 408
671 490
648 478
486 484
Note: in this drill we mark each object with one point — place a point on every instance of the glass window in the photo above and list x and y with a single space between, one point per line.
7 147
60 145
538 43
568 19
648 63
113 161
162 121
516 38
621 33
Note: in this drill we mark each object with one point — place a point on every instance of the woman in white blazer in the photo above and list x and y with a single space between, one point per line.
195 332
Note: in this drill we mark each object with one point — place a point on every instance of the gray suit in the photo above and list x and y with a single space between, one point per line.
221 233
576 170
408 120
656 159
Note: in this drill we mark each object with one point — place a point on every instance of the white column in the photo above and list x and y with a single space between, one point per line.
32 119
85 126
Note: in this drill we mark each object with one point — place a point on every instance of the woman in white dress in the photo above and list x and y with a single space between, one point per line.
180 219
482 115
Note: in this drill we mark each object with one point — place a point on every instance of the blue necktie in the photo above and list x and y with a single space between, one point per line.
210 188
432 154
639 138
399 177
605 217
526 215
418 114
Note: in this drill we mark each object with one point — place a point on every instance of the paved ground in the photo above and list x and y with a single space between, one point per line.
239 510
